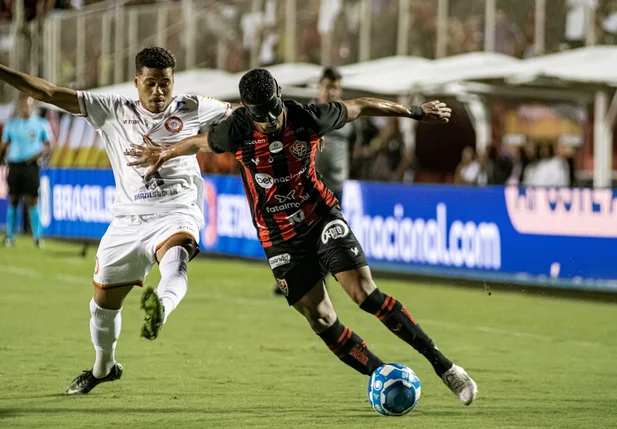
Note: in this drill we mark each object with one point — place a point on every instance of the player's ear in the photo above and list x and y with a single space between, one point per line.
136 81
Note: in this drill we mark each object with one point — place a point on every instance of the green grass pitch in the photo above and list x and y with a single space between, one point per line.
234 356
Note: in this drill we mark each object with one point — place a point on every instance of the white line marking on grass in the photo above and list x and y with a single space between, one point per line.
31 273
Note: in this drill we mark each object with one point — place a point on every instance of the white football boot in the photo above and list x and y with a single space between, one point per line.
461 384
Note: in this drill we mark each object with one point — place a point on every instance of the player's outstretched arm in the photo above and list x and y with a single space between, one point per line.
433 112
155 155
41 89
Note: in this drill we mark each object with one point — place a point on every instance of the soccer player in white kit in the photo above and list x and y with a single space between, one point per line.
153 221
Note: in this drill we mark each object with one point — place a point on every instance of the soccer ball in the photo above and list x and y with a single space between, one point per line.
393 390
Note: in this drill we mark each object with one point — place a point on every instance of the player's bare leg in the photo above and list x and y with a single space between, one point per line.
173 257
317 308
105 325
361 288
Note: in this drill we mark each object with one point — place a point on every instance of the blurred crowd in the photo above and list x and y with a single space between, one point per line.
234 36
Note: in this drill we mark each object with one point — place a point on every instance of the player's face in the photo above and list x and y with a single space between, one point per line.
271 126
25 107
330 90
155 87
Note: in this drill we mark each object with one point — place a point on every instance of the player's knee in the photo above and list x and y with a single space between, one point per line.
111 299
320 317
358 284
321 320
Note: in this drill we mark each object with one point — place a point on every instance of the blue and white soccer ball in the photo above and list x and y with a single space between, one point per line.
393 390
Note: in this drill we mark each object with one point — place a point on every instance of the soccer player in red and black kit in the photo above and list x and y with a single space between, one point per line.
299 221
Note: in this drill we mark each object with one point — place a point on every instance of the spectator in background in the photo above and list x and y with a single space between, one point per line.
362 158
333 162
547 170
391 158
469 171
499 164
25 138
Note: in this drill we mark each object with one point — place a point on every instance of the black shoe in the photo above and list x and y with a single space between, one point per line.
86 381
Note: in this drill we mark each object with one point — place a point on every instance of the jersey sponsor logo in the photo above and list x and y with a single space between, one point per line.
279 260
289 197
257 141
292 132
287 204
299 149
256 160
276 147
296 218
283 287
334 230
174 124
266 181
130 122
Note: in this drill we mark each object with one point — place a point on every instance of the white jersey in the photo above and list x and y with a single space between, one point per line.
178 186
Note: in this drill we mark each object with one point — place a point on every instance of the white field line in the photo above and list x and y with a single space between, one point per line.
32 273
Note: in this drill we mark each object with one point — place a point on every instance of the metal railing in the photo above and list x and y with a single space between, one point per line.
95 46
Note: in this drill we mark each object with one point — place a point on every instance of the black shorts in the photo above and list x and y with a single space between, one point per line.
23 179
300 263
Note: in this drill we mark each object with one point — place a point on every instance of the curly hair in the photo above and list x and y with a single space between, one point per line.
156 58
257 86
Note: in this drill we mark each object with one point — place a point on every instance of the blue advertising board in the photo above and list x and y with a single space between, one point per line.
558 237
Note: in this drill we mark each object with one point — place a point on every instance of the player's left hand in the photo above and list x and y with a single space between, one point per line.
148 154
436 112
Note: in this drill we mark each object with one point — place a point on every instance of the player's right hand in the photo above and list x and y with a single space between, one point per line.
148 154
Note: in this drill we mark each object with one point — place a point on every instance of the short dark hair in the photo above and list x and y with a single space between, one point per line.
331 73
155 57
257 86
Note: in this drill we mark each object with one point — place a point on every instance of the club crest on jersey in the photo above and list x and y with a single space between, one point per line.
299 149
282 284
276 147
334 230
174 124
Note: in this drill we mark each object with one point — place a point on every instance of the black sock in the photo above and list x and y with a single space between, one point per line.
350 348
397 319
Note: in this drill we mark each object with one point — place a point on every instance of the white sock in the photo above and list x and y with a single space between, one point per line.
174 278
104 329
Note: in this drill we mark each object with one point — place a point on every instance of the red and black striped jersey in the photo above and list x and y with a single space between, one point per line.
285 192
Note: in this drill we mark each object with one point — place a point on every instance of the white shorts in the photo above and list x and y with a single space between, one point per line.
127 251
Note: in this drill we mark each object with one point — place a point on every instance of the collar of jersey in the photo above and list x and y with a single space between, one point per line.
142 109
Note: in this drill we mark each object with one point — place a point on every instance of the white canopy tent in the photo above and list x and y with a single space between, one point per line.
585 70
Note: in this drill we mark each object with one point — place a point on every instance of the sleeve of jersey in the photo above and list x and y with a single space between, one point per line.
221 138
213 111
97 109
328 116
47 134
